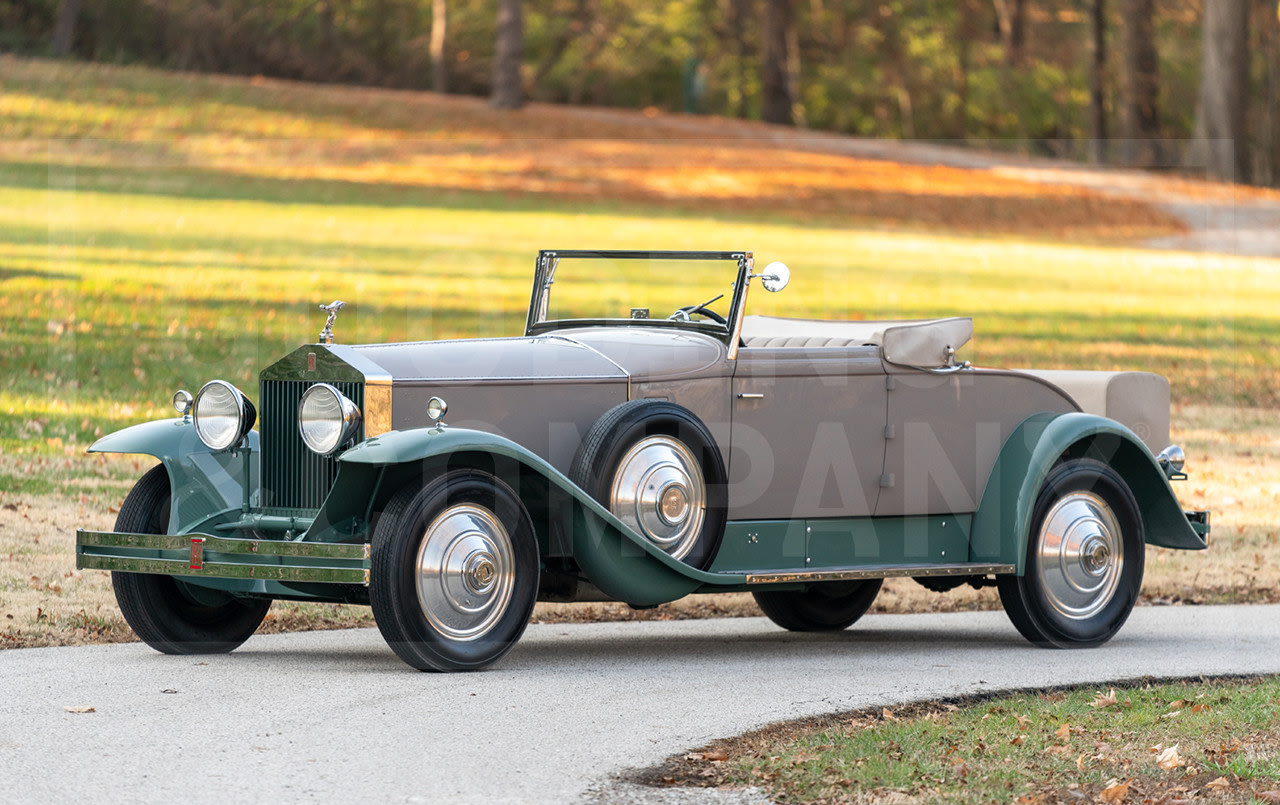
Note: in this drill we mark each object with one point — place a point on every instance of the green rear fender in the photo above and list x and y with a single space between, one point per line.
614 558
1002 523
206 484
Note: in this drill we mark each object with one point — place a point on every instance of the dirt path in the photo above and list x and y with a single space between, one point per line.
1220 218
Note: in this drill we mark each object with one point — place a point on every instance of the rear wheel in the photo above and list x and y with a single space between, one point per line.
169 614
455 572
827 607
1084 562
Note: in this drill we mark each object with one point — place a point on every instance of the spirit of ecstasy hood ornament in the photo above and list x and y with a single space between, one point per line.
326 335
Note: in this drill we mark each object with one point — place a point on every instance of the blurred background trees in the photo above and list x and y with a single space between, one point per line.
1125 81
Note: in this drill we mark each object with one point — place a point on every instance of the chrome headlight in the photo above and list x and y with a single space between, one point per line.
327 419
223 416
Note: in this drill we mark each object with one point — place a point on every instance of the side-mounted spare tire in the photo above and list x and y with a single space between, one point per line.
655 465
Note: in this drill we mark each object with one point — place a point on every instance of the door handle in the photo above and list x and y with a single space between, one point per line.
747 395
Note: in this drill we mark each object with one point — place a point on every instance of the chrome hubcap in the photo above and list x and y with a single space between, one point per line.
659 491
465 572
1081 555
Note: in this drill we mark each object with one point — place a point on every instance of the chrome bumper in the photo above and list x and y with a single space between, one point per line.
205 556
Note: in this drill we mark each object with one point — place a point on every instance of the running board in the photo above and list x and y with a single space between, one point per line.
883 572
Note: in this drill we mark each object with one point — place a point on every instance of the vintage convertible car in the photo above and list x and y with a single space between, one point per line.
639 444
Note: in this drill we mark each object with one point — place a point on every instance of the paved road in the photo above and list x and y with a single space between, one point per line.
335 716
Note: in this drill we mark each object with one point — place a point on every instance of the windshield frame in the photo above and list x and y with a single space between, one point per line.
544 276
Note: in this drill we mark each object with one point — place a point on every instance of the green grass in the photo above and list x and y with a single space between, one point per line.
1030 747
128 269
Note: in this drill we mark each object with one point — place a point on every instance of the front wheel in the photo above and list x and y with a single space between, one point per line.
828 607
1084 562
454 575
168 614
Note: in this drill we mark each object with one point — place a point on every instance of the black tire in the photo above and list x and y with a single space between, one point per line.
612 437
1049 604
828 607
169 615
418 524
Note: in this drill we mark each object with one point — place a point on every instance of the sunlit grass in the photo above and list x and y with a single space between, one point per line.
115 299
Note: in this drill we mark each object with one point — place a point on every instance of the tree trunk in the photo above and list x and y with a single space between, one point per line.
1097 83
1220 146
1011 18
1141 85
1266 131
439 33
738 37
64 26
508 90
775 83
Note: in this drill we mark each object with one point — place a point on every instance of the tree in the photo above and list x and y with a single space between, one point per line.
508 90
439 32
64 26
1140 85
1097 82
1220 144
775 84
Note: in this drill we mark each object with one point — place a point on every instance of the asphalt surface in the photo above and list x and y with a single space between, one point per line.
334 716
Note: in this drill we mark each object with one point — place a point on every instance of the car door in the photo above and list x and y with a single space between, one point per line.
807 433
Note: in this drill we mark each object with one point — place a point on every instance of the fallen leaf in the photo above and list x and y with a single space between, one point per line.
889 716
1169 759
1114 792
80 709
1064 731
1017 741
168 690
1104 701
714 756
1220 784
1200 708
1269 796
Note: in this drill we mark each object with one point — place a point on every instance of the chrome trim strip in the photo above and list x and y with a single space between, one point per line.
590 348
739 310
885 572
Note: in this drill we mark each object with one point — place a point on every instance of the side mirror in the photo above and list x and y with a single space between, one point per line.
775 277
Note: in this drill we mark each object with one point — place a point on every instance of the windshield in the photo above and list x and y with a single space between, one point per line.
635 286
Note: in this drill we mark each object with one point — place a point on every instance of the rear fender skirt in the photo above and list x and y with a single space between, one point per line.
1002 524
623 564
206 484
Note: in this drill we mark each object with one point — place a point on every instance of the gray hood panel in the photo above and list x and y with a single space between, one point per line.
537 358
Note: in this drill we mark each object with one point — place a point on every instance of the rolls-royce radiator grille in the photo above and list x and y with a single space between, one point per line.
294 479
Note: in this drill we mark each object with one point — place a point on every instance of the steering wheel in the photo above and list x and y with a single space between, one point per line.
683 314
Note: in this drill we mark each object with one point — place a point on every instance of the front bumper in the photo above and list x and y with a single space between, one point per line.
206 556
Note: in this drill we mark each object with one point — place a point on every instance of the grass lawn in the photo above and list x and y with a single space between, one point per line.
186 228
1206 741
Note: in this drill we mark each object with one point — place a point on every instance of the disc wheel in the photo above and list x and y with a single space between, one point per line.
657 468
828 607
169 614
454 573
1084 562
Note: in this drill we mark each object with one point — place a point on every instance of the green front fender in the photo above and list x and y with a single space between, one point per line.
614 558
206 484
1002 524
